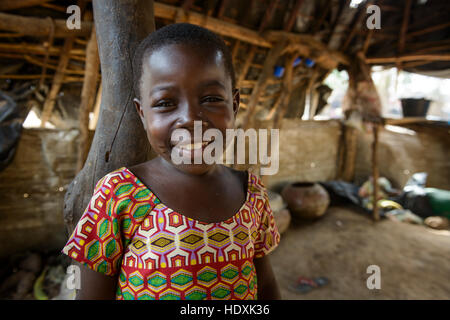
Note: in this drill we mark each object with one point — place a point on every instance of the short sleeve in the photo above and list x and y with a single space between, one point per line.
268 236
96 240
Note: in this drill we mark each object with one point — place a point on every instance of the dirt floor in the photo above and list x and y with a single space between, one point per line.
414 260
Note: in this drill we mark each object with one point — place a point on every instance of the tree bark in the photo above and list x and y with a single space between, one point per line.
119 139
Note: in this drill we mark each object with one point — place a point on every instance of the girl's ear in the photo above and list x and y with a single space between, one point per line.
137 104
236 100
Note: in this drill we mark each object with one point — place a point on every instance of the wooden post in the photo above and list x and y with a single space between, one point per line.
246 65
260 84
98 100
375 213
293 16
57 81
286 93
88 94
119 139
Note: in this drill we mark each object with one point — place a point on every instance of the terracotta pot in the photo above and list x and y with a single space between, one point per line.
281 215
306 200
282 219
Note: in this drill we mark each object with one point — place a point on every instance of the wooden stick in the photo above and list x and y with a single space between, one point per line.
51 37
66 79
51 66
57 81
356 26
219 26
375 213
246 65
187 4
37 49
367 41
286 93
54 7
428 30
6 5
268 15
32 26
235 50
424 57
88 93
404 27
293 16
222 8
261 83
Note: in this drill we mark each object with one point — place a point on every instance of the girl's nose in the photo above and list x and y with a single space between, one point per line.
189 112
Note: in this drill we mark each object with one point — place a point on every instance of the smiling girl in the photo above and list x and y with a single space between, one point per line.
162 230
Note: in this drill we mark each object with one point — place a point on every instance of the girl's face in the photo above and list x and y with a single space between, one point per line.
182 84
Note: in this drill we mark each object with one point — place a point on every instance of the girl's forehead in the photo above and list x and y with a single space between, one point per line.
177 60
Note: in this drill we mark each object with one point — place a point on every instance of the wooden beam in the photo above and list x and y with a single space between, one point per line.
293 16
358 23
222 8
246 65
428 30
57 81
66 79
260 85
37 49
88 93
218 26
187 4
38 27
309 41
48 65
286 93
268 14
6 5
404 27
424 57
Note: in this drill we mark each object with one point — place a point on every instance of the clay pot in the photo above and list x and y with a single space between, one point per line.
281 215
282 219
306 200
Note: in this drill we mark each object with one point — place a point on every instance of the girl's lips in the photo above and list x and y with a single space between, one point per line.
191 150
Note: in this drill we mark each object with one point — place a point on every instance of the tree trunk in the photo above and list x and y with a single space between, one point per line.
119 139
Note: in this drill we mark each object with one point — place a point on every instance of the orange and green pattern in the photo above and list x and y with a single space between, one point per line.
159 253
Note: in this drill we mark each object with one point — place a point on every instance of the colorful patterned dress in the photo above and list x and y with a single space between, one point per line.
158 253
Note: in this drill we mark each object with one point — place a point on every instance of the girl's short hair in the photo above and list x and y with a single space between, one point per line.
179 33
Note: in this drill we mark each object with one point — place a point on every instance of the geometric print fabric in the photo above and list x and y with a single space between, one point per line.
158 253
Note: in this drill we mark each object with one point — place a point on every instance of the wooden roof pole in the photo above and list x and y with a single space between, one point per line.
266 72
57 81
268 15
6 5
246 66
403 30
88 93
293 16
39 27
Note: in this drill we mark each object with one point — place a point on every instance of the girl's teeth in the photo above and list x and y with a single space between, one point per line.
194 146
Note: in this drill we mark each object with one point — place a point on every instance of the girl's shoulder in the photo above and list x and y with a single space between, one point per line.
123 191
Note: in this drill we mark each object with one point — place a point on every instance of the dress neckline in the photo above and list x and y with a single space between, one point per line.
247 199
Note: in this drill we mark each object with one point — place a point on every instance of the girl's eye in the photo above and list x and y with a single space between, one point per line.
212 99
163 104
